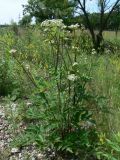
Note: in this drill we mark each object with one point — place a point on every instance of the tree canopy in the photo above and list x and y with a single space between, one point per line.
49 9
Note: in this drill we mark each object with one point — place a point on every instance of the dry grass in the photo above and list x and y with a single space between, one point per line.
111 35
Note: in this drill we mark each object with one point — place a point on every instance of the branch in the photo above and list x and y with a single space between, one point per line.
109 14
83 8
102 11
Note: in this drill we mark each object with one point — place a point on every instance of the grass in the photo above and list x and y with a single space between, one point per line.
111 35
107 83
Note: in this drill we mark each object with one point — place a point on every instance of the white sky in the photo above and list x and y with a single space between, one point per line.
11 10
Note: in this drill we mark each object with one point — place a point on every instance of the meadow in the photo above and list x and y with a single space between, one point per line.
66 93
111 35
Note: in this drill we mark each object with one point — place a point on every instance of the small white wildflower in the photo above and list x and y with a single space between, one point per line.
73 47
75 64
27 66
53 153
13 106
76 48
29 103
13 51
93 51
52 41
39 156
72 77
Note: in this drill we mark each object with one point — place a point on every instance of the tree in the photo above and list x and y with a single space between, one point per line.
103 6
49 9
26 20
114 21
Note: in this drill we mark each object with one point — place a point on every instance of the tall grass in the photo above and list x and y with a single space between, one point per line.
111 35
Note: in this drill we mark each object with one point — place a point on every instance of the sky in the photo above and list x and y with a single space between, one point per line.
11 10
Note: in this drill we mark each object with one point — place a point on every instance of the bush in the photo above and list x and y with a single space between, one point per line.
62 116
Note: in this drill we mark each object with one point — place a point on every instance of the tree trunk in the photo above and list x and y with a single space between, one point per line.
97 42
99 39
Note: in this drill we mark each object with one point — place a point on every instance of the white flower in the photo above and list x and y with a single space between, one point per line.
14 150
52 41
39 156
63 27
13 51
75 64
13 106
75 48
53 23
74 26
72 77
27 66
93 51
29 103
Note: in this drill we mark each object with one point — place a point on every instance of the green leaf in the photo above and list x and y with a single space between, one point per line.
69 150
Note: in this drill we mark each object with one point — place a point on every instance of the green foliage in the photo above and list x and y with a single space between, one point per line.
7 83
25 21
110 148
45 9
11 74
14 28
63 119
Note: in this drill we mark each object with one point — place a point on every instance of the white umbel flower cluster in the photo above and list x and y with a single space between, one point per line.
74 26
72 77
53 23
